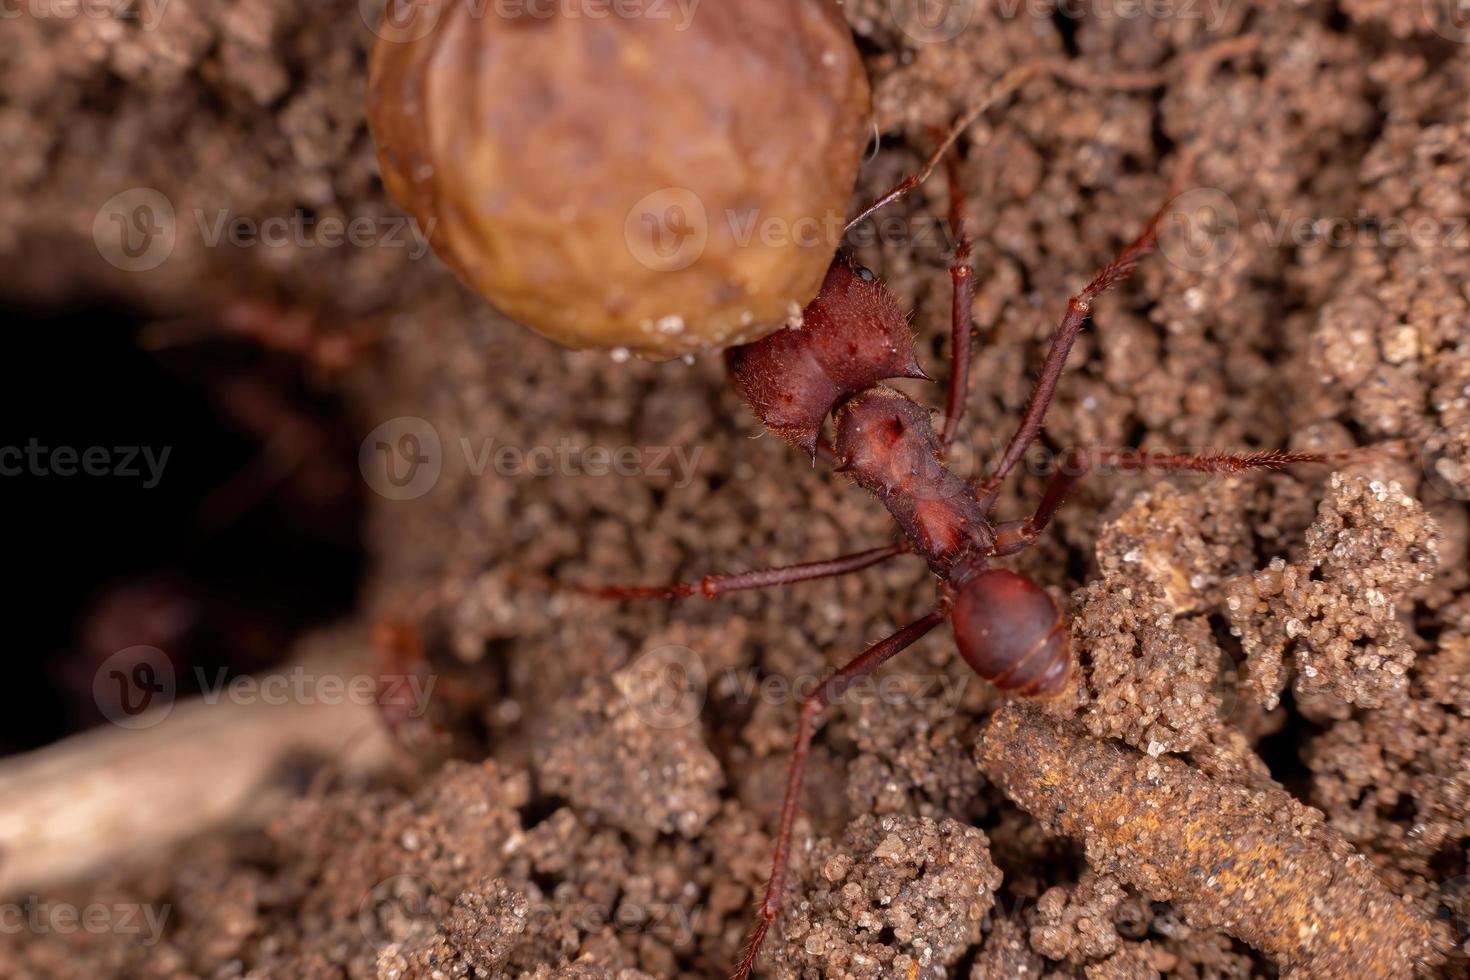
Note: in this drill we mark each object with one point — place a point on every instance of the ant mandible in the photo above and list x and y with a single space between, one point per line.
853 336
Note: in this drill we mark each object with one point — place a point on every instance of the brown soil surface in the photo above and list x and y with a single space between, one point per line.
1276 639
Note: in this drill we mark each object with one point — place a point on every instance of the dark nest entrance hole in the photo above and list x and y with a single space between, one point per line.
202 499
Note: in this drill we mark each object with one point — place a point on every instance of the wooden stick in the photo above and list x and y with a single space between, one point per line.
113 798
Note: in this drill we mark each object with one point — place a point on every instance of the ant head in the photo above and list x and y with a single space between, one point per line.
1011 633
852 336
850 283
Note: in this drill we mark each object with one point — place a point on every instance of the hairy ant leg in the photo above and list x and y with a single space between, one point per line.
962 275
811 706
712 586
1014 536
1000 89
1079 309
960 271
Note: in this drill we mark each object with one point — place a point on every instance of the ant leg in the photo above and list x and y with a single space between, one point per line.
962 275
1000 89
1013 536
811 706
1079 307
715 585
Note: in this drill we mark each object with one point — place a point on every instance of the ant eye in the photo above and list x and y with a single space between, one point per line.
864 273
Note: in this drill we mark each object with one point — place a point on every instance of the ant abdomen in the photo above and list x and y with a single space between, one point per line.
1010 631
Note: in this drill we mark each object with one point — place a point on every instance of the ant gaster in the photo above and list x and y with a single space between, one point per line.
853 336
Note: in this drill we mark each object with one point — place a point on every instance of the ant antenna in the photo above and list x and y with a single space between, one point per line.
1003 87
1072 73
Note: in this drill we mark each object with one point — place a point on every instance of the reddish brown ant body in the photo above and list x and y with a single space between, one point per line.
853 337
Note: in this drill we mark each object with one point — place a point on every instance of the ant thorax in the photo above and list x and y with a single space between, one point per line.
886 442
